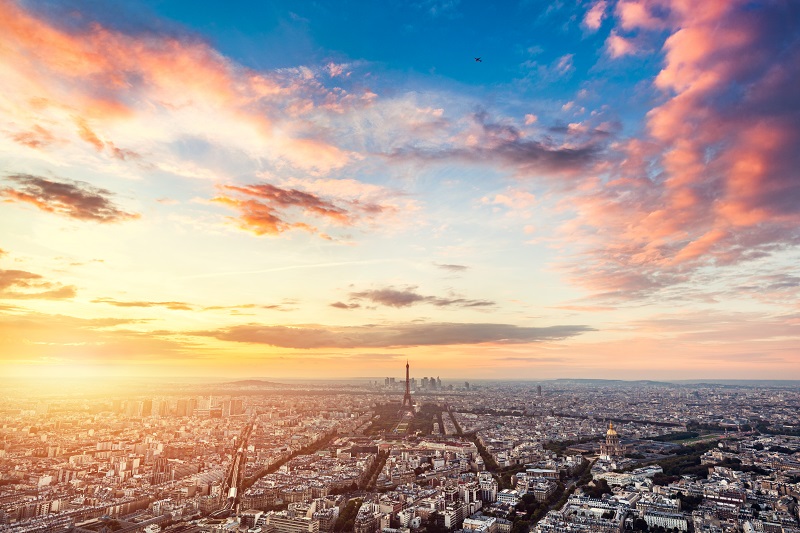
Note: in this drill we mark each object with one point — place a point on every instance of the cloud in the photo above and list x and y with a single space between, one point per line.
713 183
721 328
619 46
184 306
235 309
649 15
22 285
398 335
585 308
266 208
36 137
35 337
530 359
124 91
175 306
513 199
390 297
72 199
563 65
490 142
337 69
438 8
595 15
407 297
540 74
342 305
782 281
261 211
451 267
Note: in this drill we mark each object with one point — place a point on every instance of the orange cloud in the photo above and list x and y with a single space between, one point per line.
22 285
175 306
265 209
97 78
73 199
37 137
259 218
89 136
35 337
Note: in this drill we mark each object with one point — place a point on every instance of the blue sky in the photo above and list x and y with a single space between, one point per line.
312 189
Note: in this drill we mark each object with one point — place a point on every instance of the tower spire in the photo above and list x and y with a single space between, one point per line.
408 405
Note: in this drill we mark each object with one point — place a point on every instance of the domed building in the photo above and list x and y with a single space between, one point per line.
612 448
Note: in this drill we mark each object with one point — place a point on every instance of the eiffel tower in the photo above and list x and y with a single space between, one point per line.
408 404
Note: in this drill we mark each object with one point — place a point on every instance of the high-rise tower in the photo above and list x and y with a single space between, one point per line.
408 405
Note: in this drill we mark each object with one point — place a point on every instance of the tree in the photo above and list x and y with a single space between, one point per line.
599 488
689 503
346 520
520 526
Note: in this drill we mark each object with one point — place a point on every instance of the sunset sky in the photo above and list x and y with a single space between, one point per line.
326 189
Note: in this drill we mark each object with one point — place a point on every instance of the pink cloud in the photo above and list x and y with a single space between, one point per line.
36 137
97 78
640 14
618 46
564 64
595 15
512 199
715 181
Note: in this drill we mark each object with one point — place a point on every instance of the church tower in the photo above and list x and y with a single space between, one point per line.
612 448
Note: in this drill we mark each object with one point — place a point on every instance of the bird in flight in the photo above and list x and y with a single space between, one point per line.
478 60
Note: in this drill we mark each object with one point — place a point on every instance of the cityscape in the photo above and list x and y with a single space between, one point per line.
403 454
424 266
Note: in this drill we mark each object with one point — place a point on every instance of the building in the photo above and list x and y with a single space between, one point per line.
454 515
612 447
480 524
283 523
488 487
665 520
511 497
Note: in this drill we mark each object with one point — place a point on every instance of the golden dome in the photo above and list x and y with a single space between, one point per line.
611 430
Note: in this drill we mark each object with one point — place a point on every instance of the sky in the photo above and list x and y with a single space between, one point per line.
329 189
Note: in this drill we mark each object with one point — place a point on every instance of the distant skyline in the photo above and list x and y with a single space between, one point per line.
324 190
